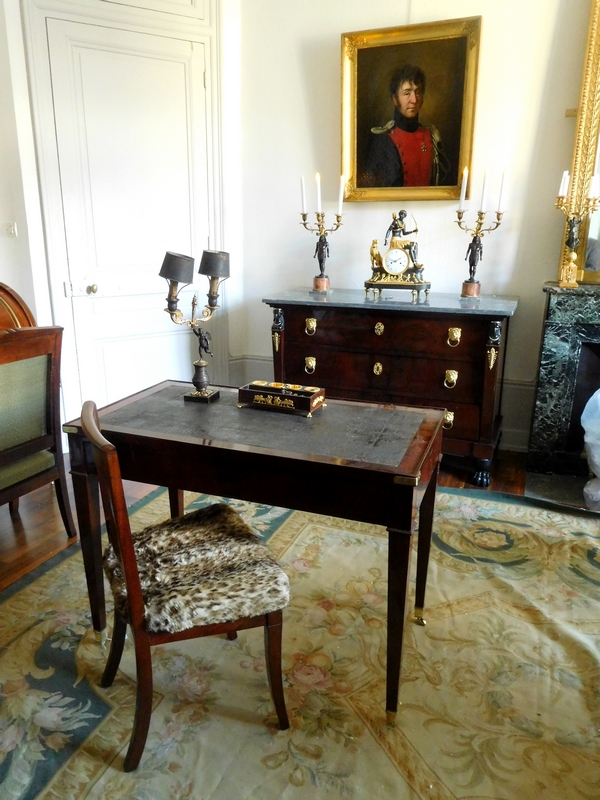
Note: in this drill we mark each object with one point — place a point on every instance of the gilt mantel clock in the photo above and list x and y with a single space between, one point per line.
399 267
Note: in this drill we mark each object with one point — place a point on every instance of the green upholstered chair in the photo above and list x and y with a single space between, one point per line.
30 433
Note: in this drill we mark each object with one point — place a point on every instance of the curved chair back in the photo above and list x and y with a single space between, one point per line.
14 311
115 507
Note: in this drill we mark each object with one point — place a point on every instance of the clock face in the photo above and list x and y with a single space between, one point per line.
395 261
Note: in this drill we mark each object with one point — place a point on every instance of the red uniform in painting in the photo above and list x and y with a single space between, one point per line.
403 152
416 155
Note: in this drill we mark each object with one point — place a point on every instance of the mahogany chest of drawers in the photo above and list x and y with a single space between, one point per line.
443 351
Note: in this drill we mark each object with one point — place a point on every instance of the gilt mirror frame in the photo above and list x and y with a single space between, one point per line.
447 51
585 152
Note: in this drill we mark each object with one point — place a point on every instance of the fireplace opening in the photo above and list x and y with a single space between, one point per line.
586 383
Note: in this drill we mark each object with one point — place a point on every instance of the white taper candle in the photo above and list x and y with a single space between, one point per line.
463 189
483 191
500 195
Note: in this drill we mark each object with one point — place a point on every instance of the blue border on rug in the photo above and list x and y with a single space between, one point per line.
521 500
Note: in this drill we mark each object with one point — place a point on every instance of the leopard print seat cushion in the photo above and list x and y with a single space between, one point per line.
205 567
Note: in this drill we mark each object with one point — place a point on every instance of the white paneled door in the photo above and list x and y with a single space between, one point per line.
131 132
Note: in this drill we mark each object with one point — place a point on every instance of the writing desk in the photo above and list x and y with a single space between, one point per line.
367 462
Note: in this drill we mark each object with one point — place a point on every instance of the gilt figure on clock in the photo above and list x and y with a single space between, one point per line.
399 267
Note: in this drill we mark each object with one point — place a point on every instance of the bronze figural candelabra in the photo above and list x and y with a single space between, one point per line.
321 281
176 269
472 287
568 266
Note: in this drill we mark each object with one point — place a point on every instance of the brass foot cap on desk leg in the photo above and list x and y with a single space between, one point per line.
101 637
419 619
390 718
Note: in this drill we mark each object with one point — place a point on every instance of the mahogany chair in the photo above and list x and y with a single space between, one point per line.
204 573
14 311
30 434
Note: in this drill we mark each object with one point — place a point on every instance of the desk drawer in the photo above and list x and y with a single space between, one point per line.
460 338
384 374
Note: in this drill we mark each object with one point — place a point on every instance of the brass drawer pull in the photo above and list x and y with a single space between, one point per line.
454 335
451 378
310 364
378 368
448 420
379 328
311 326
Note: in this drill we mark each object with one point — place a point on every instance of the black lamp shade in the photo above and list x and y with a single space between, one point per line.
176 267
214 263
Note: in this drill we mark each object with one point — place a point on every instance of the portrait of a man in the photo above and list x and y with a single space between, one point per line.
403 152
408 101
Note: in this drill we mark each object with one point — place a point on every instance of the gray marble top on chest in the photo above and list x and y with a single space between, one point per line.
396 300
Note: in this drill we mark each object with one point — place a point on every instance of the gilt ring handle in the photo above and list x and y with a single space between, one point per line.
310 364
448 420
311 326
454 335
451 378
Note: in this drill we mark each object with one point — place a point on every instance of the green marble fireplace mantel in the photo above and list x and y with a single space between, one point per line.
569 373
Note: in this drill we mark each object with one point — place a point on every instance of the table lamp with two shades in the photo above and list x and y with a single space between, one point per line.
179 269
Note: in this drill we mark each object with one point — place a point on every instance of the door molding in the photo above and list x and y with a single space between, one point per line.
203 30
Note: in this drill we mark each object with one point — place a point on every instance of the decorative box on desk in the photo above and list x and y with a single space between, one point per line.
287 397
446 352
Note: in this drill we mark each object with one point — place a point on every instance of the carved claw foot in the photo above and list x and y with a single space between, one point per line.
482 476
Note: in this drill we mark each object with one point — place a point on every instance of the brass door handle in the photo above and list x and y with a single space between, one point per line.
451 378
379 328
377 368
448 420
310 364
92 289
454 335
310 326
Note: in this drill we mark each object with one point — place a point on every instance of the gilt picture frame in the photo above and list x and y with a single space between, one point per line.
446 54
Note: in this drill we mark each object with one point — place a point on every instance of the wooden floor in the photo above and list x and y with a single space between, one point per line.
38 533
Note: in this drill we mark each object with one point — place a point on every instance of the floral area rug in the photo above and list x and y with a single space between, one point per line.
500 694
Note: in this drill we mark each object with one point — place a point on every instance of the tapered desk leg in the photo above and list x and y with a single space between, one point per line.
87 505
175 502
398 572
425 530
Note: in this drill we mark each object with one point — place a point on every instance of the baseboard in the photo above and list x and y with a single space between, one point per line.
517 399
244 369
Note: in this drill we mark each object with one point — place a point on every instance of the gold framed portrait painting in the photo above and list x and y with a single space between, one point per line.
408 109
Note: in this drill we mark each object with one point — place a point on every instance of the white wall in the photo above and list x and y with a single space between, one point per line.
529 74
22 258
15 263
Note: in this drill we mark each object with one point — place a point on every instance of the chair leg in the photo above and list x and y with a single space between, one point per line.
64 506
116 651
232 635
273 631
143 703
13 507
